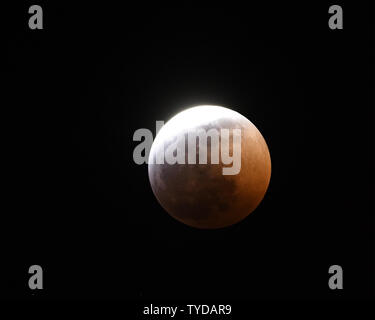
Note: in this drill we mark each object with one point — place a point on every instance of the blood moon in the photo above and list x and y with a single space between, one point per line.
199 195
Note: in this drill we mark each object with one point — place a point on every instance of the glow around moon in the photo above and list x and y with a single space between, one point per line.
200 195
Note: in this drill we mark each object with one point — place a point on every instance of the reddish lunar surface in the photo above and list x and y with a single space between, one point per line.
199 195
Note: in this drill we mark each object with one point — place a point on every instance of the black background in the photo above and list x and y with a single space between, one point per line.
77 204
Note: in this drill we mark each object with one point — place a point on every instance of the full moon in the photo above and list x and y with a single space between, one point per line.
200 195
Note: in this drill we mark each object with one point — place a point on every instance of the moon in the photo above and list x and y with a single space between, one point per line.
200 195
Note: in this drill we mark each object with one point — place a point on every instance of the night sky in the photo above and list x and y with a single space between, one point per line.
75 202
